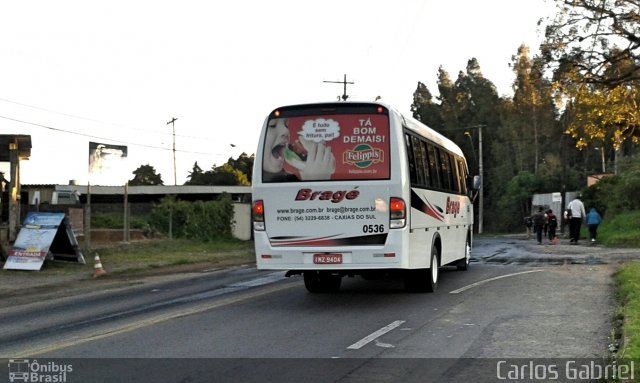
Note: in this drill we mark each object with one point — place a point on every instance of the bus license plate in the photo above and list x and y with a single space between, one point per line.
327 258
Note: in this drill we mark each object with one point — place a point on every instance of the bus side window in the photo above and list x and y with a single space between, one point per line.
434 169
412 166
455 178
462 176
425 163
445 167
419 160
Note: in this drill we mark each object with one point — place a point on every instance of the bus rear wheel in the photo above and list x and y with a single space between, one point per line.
321 282
424 280
463 264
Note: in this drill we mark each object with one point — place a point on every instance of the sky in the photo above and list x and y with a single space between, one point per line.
116 72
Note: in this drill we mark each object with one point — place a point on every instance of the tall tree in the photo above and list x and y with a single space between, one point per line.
146 175
448 100
196 176
534 121
424 108
466 105
229 173
606 117
590 36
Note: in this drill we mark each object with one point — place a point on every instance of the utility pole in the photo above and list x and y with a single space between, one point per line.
481 202
173 124
344 82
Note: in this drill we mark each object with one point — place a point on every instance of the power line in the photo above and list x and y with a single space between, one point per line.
101 138
98 121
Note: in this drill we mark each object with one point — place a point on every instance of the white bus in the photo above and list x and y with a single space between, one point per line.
356 188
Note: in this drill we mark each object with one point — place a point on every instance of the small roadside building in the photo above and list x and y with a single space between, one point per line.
13 149
73 199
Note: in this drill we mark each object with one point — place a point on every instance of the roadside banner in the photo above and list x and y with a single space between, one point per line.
107 164
43 235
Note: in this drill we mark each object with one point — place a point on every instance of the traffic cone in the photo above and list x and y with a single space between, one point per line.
98 271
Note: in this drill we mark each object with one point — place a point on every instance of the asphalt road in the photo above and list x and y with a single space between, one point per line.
518 301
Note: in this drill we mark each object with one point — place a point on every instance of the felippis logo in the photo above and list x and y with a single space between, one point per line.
363 156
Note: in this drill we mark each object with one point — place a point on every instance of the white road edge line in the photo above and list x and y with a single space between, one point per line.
247 295
371 337
489 280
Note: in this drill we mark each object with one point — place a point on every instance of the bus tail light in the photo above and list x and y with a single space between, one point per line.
257 211
397 213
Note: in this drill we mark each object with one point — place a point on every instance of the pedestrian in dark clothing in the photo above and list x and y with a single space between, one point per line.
593 220
538 224
552 222
575 214
528 223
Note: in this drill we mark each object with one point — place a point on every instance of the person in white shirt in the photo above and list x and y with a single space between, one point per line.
575 213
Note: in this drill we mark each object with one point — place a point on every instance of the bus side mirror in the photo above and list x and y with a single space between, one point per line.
476 183
475 188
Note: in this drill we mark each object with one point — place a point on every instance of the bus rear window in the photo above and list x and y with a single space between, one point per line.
326 147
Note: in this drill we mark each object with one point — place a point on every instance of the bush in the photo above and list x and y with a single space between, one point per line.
616 194
620 230
116 221
106 221
202 220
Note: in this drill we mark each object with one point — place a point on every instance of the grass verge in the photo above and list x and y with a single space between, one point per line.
164 253
153 256
622 230
628 279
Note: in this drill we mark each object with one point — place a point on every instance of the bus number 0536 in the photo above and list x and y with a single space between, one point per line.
373 229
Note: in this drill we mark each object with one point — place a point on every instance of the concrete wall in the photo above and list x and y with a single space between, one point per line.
242 221
547 201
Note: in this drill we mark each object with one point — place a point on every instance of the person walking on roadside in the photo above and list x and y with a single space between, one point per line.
593 220
538 223
528 223
575 214
552 222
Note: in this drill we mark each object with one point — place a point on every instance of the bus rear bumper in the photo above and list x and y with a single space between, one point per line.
330 259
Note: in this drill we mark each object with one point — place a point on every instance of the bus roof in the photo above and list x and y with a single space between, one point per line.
410 122
425 131
432 135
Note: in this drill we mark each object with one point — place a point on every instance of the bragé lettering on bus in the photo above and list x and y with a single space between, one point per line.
335 197
453 207
328 147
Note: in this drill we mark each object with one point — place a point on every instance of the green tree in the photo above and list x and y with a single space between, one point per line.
244 164
234 172
146 175
588 37
463 106
534 119
594 48
479 105
606 116
515 203
196 176
227 175
424 108
224 175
